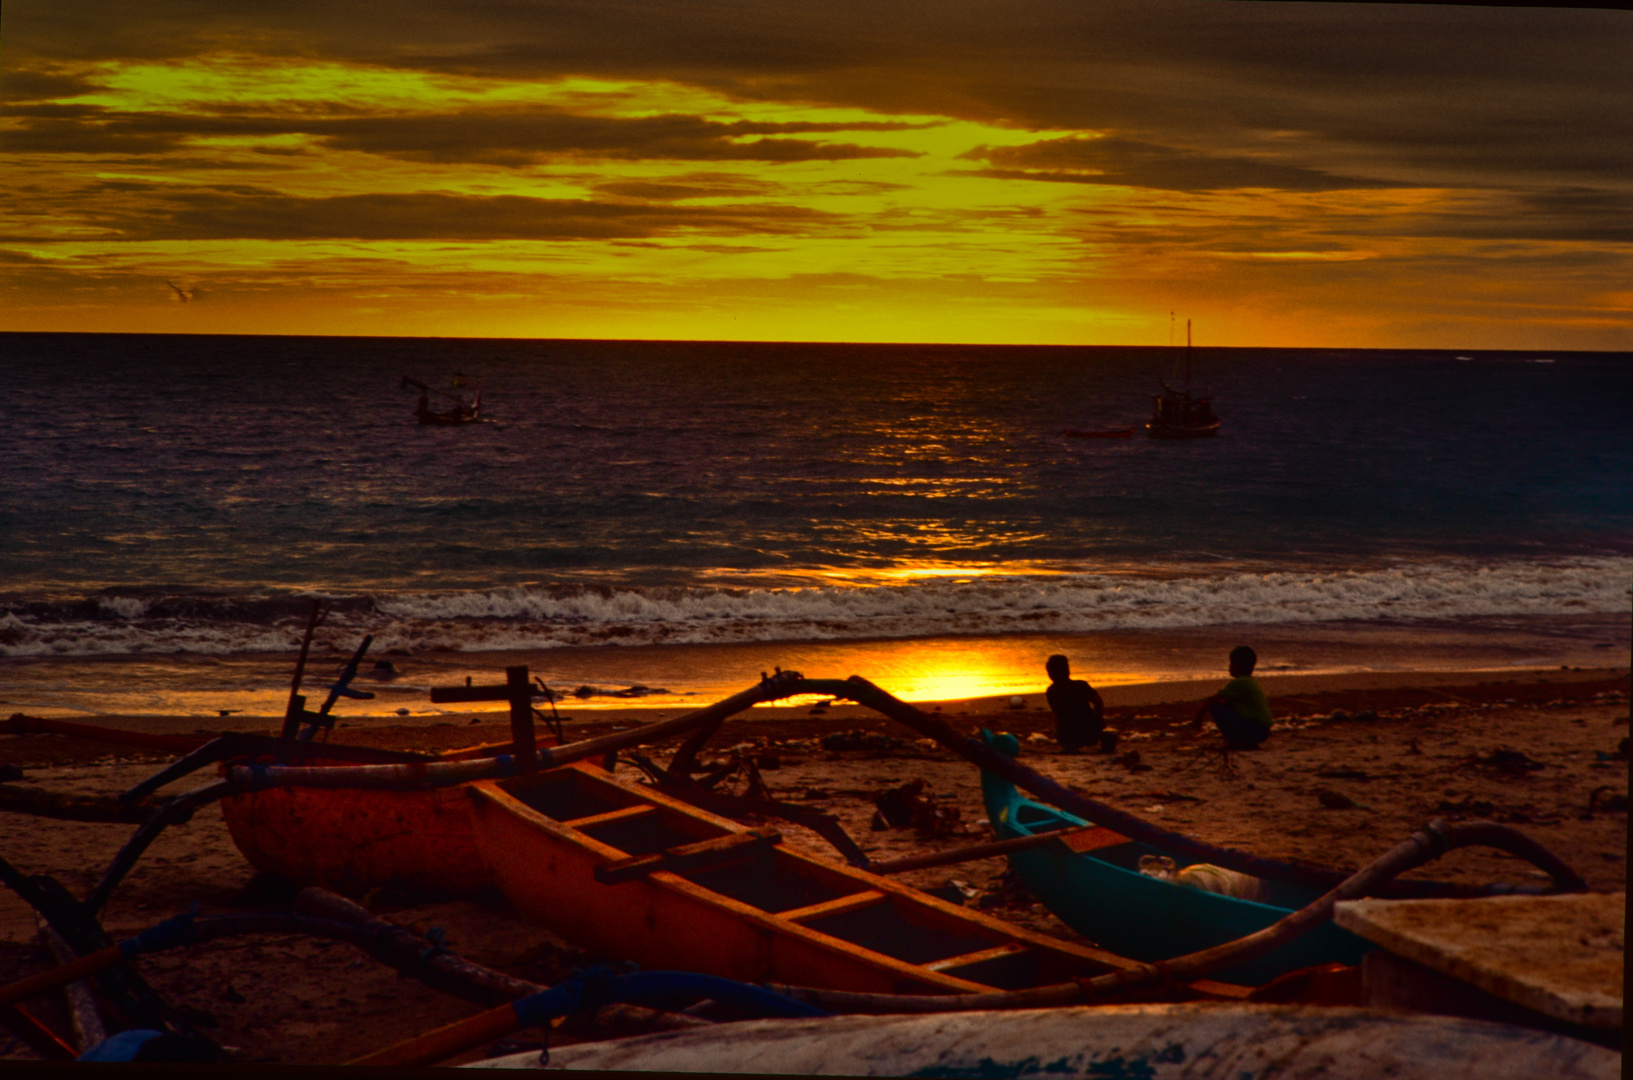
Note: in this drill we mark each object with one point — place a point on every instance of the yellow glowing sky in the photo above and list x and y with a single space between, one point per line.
993 184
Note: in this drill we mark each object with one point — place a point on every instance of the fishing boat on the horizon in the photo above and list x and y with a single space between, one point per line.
1176 414
462 410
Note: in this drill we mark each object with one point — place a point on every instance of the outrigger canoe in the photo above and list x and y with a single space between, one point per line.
1091 880
630 873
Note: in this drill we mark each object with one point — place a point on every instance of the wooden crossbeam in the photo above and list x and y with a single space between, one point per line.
518 691
689 856
837 906
996 952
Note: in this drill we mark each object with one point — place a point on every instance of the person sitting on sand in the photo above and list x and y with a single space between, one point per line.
1079 712
1240 710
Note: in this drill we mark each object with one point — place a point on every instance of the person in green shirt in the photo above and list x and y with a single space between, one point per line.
1240 710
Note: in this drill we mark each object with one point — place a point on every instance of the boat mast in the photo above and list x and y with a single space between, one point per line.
1187 356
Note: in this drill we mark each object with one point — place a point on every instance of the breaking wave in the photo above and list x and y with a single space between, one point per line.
563 616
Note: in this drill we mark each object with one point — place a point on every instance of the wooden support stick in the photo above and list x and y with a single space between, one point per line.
87 1022
40 1039
297 702
446 1041
970 854
521 718
690 856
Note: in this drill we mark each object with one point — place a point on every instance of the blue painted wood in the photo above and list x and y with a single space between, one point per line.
1102 895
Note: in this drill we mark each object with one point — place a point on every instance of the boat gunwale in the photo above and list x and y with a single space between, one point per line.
943 916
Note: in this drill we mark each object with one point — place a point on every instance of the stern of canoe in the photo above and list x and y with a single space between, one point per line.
354 840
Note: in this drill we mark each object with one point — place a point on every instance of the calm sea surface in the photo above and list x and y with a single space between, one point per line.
171 505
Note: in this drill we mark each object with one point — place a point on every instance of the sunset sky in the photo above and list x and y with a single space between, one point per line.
1033 171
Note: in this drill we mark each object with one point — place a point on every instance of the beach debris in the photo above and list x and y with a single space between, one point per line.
636 691
1468 805
1006 891
863 740
909 805
895 807
1613 802
745 807
954 891
1508 762
1335 800
1131 761
1017 702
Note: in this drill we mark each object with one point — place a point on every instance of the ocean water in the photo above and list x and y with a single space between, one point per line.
680 516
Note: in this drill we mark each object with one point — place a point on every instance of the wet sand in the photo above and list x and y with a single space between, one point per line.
1425 751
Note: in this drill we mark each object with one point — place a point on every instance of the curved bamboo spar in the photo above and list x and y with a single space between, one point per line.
1428 843
862 692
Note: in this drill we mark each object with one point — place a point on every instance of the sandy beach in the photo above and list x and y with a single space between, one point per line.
1356 763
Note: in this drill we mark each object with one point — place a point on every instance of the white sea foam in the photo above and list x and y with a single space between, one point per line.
1082 603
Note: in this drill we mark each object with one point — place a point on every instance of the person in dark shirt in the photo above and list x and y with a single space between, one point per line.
1240 710
1079 712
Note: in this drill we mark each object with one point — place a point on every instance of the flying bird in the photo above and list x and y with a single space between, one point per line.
183 295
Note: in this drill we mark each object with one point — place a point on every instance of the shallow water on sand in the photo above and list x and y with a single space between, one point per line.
923 669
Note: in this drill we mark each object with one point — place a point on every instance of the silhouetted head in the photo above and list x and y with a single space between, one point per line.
1058 667
1242 661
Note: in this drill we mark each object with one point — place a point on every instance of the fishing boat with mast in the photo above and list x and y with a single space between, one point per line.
1177 414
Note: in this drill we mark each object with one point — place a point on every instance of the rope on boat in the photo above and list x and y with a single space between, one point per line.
234 744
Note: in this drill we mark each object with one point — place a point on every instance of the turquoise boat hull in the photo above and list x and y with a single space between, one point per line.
1102 895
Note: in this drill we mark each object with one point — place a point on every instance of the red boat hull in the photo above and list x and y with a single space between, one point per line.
355 840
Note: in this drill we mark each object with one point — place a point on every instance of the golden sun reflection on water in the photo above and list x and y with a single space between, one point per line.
907 571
